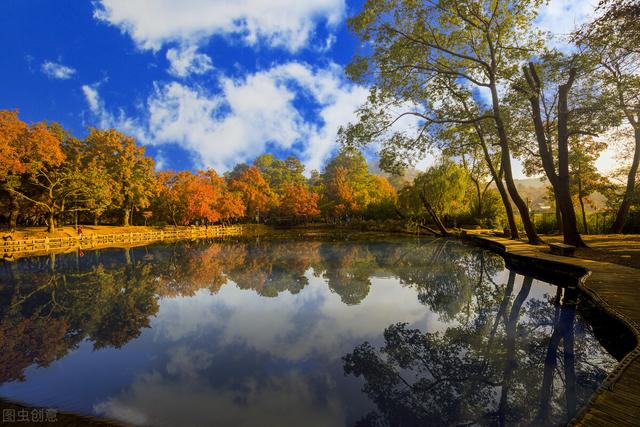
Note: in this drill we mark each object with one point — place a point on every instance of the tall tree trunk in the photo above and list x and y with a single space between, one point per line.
560 180
14 211
581 200
506 201
569 221
125 217
558 216
478 197
584 215
51 222
532 236
497 178
623 210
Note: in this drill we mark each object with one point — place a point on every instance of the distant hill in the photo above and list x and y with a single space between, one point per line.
534 191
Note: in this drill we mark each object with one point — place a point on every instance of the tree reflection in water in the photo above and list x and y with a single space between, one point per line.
501 357
500 363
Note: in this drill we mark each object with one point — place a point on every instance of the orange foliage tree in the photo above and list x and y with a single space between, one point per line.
299 202
46 172
28 153
187 197
383 198
199 194
349 189
254 191
231 206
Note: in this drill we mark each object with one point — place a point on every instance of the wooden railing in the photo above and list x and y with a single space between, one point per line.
89 241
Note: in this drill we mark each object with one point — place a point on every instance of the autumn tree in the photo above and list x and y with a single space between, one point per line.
382 198
168 202
231 206
346 184
253 189
299 202
79 184
197 195
128 168
185 197
29 152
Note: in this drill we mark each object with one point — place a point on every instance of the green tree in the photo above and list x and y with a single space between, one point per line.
439 191
78 184
616 51
346 184
564 104
279 173
131 172
425 53
585 177
467 144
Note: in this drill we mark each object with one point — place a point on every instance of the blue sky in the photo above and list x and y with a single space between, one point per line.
201 83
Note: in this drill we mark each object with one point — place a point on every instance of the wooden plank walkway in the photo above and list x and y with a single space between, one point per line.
617 289
12 248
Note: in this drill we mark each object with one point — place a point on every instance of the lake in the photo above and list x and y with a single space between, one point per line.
290 332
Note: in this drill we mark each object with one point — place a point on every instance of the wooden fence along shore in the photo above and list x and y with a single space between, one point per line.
30 246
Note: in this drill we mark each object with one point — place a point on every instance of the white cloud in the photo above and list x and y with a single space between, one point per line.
186 60
328 43
561 17
92 97
56 70
105 119
285 399
249 116
284 23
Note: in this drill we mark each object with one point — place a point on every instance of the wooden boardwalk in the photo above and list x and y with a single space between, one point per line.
617 289
28 247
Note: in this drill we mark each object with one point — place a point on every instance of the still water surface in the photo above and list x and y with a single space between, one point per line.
386 331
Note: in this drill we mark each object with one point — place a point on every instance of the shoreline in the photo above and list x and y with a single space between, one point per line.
13 249
613 288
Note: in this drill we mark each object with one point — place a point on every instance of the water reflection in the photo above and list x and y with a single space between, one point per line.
246 333
502 368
